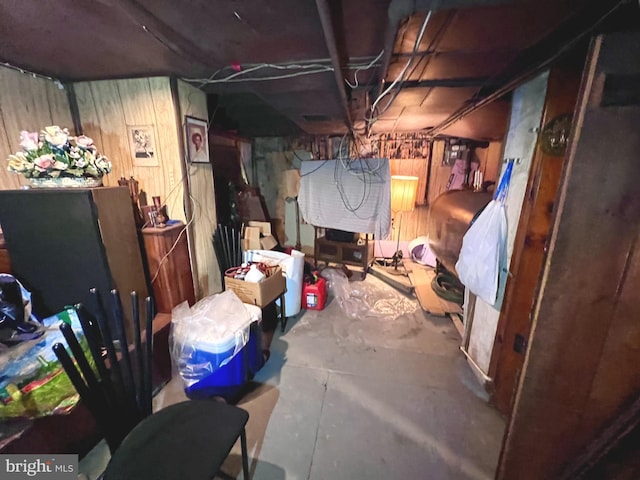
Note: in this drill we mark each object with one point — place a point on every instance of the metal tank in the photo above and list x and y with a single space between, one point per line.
450 216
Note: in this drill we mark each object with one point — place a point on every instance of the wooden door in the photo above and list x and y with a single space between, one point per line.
581 365
514 324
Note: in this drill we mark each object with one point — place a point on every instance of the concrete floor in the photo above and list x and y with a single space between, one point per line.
367 398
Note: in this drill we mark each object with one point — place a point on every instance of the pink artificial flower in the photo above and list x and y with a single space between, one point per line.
44 162
29 140
84 141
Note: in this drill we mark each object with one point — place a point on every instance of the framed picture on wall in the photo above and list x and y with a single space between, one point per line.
197 140
142 141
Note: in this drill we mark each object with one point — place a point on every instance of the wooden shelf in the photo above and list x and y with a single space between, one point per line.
173 282
347 253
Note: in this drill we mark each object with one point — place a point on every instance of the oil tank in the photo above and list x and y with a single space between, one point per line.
450 216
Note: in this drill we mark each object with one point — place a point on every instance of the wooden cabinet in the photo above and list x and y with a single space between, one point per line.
5 262
169 266
63 242
346 253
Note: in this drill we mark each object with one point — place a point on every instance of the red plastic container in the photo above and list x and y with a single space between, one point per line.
314 295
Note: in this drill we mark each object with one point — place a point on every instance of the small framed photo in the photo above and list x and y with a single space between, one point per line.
197 139
142 141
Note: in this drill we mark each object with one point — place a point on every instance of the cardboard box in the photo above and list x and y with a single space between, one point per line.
251 238
264 227
268 242
257 235
261 293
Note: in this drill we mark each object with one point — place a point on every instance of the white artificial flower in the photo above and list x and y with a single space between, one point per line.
56 136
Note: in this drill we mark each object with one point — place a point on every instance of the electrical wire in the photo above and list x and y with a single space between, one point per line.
315 169
33 74
370 65
194 203
273 77
308 68
399 79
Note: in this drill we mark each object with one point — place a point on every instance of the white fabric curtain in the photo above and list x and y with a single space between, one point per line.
354 196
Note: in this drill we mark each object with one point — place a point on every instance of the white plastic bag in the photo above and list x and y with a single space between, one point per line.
207 335
483 252
478 264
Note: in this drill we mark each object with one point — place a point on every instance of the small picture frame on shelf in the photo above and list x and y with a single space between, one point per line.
197 139
142 141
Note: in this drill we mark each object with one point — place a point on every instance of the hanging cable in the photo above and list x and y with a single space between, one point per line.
400 78
355 74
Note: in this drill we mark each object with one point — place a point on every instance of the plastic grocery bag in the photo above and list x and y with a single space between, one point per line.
32 382
484 246
478 265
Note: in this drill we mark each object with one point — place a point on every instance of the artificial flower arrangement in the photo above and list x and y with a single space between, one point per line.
53 153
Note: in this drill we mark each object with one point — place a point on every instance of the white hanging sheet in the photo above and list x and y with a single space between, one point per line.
354 197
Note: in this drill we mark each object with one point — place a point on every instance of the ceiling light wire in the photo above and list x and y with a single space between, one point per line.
400 78
355 75
250 68
24 71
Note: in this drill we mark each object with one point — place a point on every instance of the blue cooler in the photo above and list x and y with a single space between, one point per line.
254 345
227 380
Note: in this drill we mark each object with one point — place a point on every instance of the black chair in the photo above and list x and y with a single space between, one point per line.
189 440
227 244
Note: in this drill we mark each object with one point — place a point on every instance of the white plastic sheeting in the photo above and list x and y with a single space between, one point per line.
217 324
361 299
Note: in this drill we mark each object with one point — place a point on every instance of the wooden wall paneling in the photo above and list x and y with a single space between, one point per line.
529 245
108 107
193 102
27 103
138 109
490 159
167 138
102 117
439 173
58 104
617 378
584 313
493 161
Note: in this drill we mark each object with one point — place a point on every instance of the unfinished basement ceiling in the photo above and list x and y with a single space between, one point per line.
469 51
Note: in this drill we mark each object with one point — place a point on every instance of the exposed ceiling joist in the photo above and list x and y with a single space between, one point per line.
540 56
326 20
449 82
280 63
165 34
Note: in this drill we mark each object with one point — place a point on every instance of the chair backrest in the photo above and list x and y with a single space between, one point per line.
119 396
227 245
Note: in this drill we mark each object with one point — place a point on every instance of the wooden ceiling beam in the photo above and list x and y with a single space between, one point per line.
165 34
462 82
539 57
326 20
